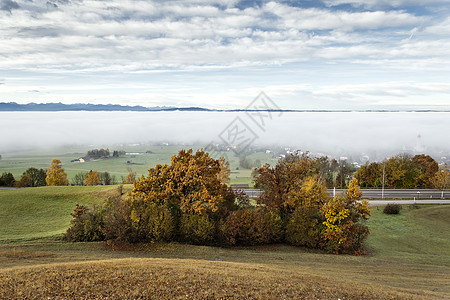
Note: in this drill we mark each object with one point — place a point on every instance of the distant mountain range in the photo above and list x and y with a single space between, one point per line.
13 106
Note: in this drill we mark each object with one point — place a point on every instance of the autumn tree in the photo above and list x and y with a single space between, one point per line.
404 171
56 175
24 181
92 178
279 182
189 184
304 227
370 175
224 174
441 180
427 167
344 231
131 178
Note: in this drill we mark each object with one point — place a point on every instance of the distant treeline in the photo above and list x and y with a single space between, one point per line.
401 171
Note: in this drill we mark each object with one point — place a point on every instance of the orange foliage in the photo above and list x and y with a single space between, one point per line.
190 183
92 178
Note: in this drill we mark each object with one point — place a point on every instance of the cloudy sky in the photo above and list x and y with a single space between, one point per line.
329 54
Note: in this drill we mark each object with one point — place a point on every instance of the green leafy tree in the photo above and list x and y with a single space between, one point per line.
7 179
79 178
37 176
344 173
106 178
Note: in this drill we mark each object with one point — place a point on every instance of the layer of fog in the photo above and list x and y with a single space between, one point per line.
326 132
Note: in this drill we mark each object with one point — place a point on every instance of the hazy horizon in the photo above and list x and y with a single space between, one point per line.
321 132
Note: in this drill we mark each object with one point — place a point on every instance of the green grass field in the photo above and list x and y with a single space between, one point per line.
408 257
17 163
41 212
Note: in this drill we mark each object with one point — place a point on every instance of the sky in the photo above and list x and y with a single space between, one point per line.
328 54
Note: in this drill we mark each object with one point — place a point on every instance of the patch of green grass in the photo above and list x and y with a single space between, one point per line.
415 235
44 211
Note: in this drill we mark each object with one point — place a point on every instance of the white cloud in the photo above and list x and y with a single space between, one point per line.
384 3
95 38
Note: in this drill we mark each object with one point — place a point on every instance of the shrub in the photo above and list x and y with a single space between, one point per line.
276 226
86 225
249 227
24 181
153 222
392 209
304 227
118 225
342 231
197 229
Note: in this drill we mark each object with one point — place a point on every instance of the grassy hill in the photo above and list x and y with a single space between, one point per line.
409 257
44 211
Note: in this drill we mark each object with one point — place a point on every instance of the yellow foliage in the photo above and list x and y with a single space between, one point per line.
56 175
190 183
342 229
131 178
224 174
92 178
311 193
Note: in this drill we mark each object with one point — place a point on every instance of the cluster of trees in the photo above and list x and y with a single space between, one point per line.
117 153
94 178
296 190
335 173
246 163
98 153
401 171
103 153
56 176
7 179
189 201
32 177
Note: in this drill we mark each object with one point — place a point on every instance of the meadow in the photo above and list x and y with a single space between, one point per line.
408 256
138 158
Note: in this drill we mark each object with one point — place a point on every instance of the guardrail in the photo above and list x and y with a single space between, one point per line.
379 194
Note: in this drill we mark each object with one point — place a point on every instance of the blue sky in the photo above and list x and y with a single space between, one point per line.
330 54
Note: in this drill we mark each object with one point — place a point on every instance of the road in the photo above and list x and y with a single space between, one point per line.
428 201
388 194
402 194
